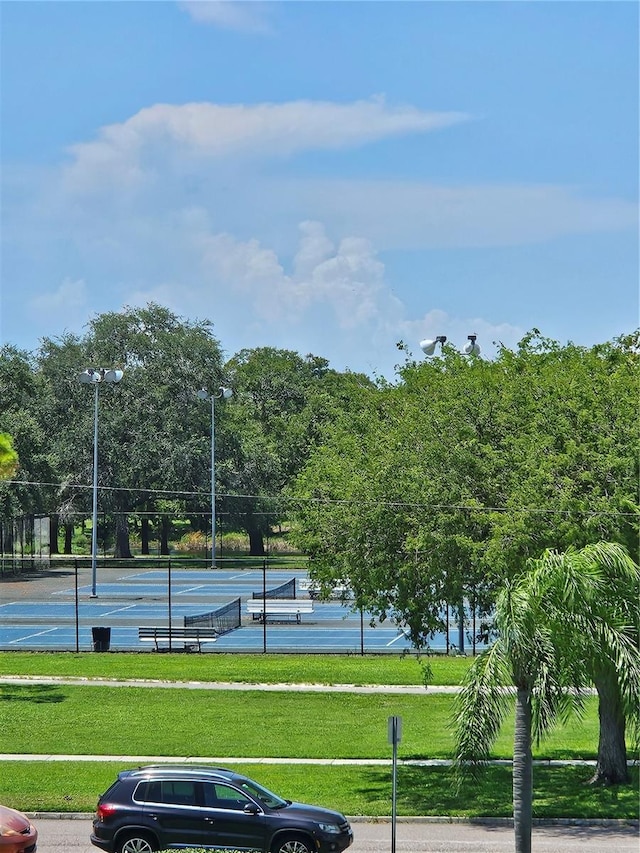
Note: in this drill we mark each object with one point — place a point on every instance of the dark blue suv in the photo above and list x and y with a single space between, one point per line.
174 806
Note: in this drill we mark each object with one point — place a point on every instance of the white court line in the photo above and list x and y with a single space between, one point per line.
9 603
118 610
190 589
401 636
29 636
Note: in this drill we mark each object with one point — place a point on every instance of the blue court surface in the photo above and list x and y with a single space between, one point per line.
63 619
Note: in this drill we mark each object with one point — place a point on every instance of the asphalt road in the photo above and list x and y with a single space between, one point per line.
71 836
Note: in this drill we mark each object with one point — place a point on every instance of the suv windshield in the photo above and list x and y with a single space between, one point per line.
268 798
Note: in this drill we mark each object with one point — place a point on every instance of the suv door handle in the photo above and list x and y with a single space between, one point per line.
209 820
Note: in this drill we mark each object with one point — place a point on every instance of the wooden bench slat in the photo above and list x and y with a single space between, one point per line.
279 607
314 589
188 636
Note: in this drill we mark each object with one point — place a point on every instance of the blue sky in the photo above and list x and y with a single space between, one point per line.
327 177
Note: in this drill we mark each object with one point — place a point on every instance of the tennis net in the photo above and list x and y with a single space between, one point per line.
285 590
223 619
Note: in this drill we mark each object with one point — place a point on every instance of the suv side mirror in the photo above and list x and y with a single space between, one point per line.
251 808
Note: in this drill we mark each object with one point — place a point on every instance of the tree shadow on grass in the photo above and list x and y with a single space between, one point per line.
36 693
431 791
559 792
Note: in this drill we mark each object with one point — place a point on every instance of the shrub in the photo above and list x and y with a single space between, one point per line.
236 542
80 543
281 545
192 542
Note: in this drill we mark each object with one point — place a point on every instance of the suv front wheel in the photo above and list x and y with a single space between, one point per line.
292 844
136 842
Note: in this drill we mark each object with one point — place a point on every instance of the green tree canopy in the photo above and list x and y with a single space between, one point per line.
153 433
443 485
282 399
21 396
8 457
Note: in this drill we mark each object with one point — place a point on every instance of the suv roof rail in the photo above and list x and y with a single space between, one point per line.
182 768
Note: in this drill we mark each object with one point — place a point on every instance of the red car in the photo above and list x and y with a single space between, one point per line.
17 833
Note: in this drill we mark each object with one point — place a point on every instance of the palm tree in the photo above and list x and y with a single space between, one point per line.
601 616
561 623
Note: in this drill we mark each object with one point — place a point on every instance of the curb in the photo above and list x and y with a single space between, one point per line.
488 821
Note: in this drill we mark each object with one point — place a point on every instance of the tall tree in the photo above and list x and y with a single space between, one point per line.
553 622
281 400
448 481
395 497
583 616
443 486
21 401
153 433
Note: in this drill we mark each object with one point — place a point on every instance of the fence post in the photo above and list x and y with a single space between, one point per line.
264 602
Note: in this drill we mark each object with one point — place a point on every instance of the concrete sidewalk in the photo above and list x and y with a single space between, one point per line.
229 685
391 689
137 760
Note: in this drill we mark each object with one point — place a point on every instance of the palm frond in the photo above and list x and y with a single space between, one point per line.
480 708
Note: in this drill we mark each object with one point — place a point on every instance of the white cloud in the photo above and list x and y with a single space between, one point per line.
347 279
64 308
314 247
176 208
249 17
204 130
165 153
412 215
70 296
332 298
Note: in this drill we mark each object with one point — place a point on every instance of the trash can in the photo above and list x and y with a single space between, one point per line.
101 639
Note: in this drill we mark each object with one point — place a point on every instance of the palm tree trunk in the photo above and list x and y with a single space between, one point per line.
522 772
611 767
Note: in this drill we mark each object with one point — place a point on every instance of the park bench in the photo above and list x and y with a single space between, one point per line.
278 607
340 590
190 637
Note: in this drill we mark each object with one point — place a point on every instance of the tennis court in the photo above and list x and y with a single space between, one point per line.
62 615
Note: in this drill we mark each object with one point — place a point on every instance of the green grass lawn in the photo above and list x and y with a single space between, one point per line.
559 791
87 720
318 669
279 724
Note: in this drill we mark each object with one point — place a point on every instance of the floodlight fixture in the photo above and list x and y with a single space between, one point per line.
428 346
471 347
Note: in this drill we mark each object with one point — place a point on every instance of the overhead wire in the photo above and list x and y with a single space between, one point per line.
331 501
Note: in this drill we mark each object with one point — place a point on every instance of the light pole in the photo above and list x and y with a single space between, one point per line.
428 347
96 378
223 394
